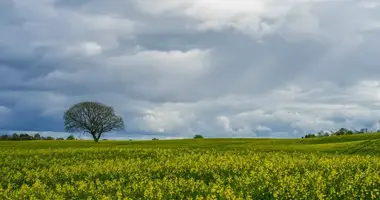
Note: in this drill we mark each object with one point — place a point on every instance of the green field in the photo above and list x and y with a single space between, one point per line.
336 167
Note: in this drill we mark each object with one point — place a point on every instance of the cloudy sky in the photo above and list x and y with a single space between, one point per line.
173 68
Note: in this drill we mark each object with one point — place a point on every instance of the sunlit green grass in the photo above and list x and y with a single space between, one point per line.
348 144
338 167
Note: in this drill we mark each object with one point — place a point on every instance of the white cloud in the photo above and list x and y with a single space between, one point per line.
256 18
195 66
369 3
4 110
86 48
263 128
92 48
225 122
159 121
175 62
247 116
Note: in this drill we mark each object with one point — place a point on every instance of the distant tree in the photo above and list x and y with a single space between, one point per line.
4 137
25 136
71 137
326 134
310 135
49 138
60 138
320 134
364 130
15 136
37 136
155 139
342 131
93 118
198 136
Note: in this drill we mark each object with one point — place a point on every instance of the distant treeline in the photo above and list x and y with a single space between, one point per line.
25 136
342 131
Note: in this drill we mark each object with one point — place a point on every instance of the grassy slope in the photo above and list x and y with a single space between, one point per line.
350 144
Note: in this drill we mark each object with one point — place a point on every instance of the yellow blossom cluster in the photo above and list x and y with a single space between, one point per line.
185 173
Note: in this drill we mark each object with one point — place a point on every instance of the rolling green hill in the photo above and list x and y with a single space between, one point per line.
347 144
335 167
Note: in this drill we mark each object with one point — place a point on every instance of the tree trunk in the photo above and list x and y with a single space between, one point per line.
96 139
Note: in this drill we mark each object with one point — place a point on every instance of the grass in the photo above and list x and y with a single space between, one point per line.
347 144
337 167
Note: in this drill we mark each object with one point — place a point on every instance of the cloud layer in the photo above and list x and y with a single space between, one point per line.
224 68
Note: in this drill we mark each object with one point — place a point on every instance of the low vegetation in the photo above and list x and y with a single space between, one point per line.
342 131
335 167
198 136
26 136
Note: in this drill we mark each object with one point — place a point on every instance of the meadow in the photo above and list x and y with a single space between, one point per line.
336 167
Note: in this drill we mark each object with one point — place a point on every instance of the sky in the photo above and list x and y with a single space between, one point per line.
175 68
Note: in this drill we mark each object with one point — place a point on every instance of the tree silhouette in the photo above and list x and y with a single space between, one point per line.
93 118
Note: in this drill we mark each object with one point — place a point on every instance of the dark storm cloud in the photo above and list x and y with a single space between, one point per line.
175 68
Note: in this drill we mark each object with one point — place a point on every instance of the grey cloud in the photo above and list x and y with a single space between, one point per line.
174 73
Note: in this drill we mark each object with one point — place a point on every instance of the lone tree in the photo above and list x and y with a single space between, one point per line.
198 137
93 118
70 137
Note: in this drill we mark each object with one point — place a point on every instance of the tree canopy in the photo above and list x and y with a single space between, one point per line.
70 137
93 118
198 136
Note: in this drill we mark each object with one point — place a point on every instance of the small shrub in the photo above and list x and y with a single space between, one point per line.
49 138
198 137
71 137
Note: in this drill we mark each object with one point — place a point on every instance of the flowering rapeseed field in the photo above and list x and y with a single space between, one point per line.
184 173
